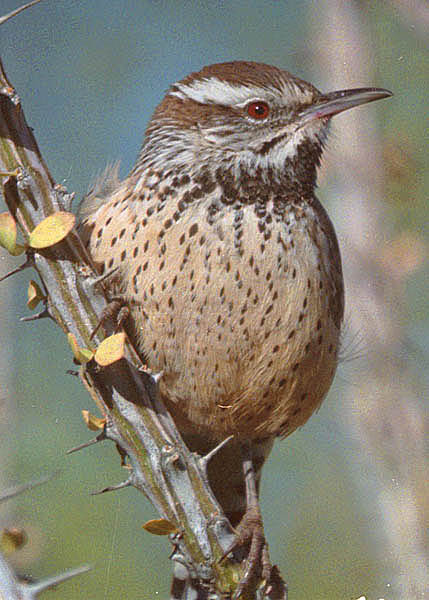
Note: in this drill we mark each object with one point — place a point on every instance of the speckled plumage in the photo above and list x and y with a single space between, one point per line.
238 300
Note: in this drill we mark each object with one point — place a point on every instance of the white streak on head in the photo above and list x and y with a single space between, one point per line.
216 91
213 139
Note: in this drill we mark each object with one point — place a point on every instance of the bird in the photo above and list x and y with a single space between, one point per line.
230 267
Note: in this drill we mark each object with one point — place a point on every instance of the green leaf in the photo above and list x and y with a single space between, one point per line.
82 355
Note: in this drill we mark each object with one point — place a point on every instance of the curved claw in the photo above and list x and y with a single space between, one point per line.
258 565
116 311
250 534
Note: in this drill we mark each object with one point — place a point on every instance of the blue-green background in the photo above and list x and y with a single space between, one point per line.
89 74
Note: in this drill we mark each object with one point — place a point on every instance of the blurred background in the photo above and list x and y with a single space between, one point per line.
344 499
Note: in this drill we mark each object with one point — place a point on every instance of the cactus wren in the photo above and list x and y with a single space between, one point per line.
230 265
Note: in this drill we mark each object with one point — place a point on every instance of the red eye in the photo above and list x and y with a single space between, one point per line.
258 109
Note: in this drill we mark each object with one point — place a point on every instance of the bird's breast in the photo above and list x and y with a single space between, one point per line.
240 307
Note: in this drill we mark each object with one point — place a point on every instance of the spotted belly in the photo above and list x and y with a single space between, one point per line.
247 337
241 313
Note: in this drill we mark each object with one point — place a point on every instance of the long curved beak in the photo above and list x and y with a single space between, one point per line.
328 105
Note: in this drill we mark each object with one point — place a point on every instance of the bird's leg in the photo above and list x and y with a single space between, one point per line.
250 530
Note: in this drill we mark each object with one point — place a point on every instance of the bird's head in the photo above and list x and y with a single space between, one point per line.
244 116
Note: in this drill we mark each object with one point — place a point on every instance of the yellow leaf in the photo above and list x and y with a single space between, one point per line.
8 234
52 230
34 294
82 355
16 171
73 342
160 527
12 539
7 231
110 350
92 422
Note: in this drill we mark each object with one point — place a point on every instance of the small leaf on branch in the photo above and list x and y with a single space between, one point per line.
92 422
34 294
8 234
110 350
52 230
160 527
16 171
82 355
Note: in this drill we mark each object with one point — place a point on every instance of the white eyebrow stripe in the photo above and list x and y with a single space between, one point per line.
248 100
215 91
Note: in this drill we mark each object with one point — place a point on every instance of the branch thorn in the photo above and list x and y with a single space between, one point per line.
99 438
97 280
40 586
19 489
72 372
113 488
204 460
28 263
44 314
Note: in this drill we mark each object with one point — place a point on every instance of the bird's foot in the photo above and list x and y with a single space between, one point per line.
250 533
115 311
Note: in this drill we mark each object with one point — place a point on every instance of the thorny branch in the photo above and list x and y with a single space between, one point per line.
162 468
